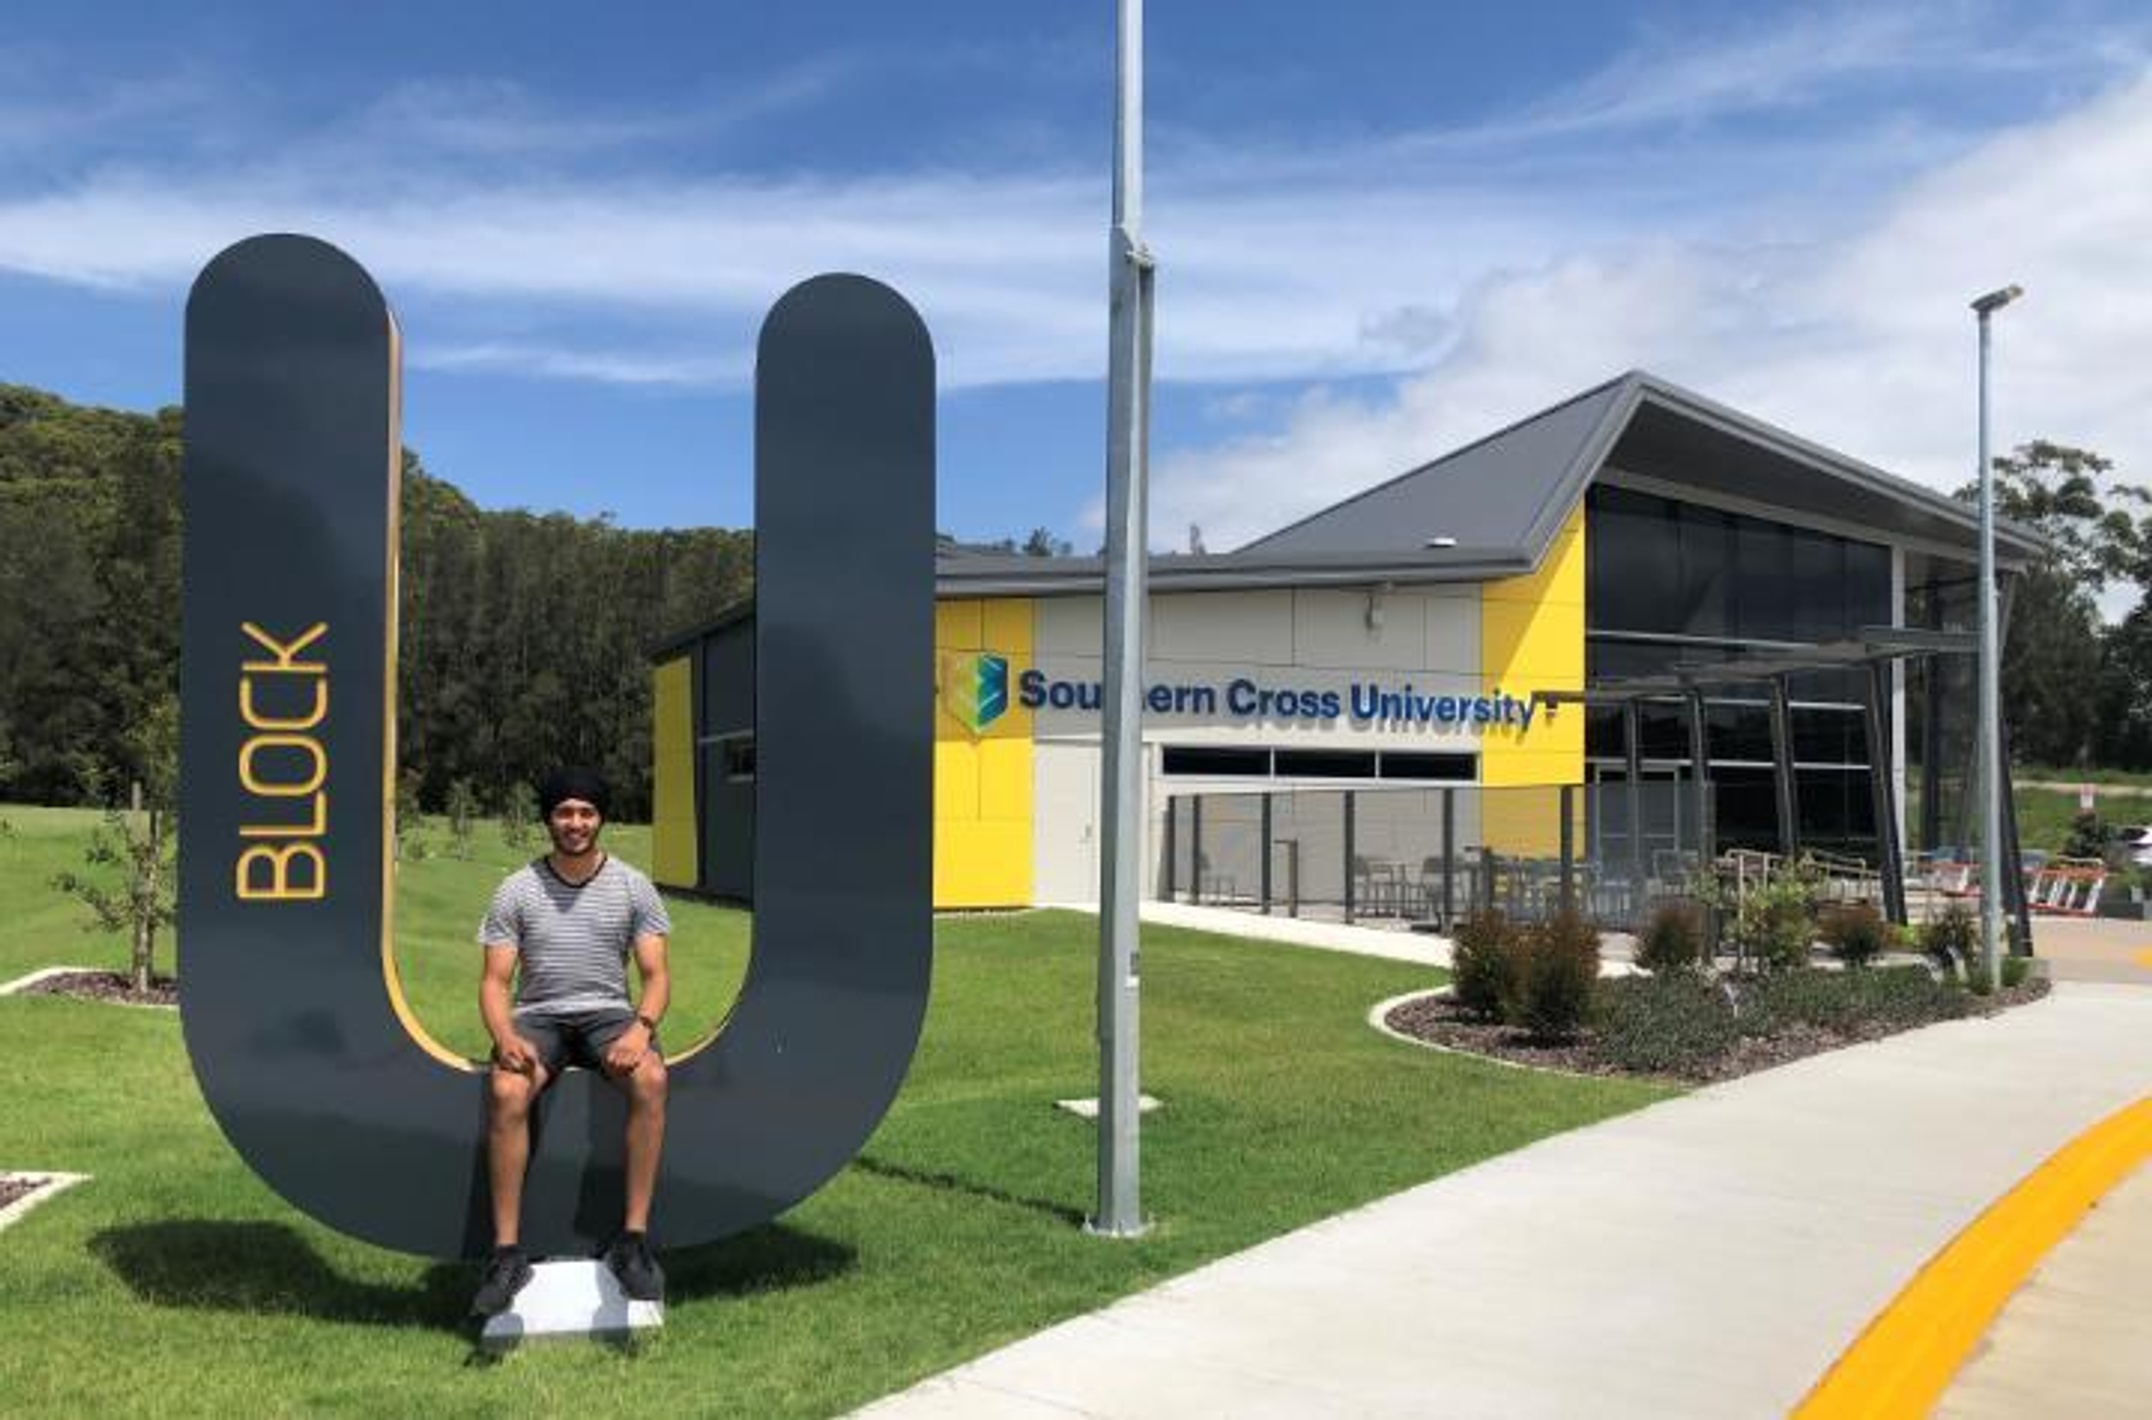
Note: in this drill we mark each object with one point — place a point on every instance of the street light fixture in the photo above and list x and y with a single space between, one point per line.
1989 728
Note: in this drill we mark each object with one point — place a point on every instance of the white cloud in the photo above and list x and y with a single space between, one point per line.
1857 334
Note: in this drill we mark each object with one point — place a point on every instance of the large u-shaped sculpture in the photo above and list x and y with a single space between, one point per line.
294 1020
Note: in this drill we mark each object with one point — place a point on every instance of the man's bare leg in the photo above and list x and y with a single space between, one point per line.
645 1087
508 1146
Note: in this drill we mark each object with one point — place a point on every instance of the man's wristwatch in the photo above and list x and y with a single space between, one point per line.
646 1023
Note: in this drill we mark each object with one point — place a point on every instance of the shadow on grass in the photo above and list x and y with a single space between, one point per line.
269 1267
215 1265
949 1181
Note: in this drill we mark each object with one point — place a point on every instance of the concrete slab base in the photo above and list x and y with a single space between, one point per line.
570 1301
1087 1107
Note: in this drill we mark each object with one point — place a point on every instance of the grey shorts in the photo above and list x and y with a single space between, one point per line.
579 1038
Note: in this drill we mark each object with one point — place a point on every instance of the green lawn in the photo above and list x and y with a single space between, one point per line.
175 1283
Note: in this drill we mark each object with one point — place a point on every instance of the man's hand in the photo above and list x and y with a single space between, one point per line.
515 1054
627 1050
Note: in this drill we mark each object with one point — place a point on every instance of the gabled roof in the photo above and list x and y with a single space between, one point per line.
1509 493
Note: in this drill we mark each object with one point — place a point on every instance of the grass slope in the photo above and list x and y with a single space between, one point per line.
175 1283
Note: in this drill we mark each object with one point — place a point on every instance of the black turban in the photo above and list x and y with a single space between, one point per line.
579 782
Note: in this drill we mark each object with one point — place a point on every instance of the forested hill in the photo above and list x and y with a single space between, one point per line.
524 637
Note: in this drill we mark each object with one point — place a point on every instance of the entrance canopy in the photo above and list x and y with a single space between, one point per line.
1874 650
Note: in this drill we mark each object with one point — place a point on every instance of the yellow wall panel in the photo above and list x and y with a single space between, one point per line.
672 812
1005 626
1005 779
956 626
956 781
975 867
1532 639
982 777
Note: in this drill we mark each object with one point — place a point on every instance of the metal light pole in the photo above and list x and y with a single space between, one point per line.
1128 389
1988 730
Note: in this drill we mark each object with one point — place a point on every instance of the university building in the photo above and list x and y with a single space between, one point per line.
1520 652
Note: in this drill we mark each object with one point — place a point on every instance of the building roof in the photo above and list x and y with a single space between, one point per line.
1511 491
1493 507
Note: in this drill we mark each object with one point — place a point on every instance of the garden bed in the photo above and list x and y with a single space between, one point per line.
109 986
1701 1029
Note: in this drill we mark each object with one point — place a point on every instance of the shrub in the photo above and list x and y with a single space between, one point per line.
1841 1000
1673 941
2088 836
1856 935
1773 924
1952 939
1557 968
2015 970
1673 1024
1483 962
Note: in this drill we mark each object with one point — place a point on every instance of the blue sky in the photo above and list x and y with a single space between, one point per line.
1383 228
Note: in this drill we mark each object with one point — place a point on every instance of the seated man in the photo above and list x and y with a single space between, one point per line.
568 921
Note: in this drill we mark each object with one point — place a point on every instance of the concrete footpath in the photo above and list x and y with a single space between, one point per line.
1710 1256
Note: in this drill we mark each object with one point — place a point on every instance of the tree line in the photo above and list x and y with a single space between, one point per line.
524 637
2077 690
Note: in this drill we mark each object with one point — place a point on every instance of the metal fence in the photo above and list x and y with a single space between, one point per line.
1431 855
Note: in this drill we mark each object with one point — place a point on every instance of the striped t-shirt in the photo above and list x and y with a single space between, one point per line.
574 938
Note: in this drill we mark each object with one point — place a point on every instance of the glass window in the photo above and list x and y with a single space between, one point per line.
1706 538
1326 763
1206 759
1401 764
1633 561
1818 588
1867 586
1763 581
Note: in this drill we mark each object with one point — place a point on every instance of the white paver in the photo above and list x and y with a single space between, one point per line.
569 1300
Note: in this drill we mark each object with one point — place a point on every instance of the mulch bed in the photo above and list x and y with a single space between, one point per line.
12 1189
1438 1020
112 986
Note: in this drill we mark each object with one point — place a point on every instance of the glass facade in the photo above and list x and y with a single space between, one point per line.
1674 583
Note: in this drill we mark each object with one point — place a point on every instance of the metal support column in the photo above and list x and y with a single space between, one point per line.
1170 888
1633 755
1266 854
1789 809
1881 775
1707 848
1195 848
1569 847
1449 859
1348 855
1127 595
2019 926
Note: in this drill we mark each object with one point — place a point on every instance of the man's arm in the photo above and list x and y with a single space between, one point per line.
496 1007
628 1048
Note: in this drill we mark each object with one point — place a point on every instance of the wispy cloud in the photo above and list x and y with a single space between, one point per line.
1858 335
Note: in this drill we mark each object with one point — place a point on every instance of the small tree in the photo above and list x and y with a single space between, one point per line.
462 818
519 827
2088 836
1483 962
410 835
140 842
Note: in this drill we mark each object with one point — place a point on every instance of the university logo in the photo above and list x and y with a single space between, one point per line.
975 687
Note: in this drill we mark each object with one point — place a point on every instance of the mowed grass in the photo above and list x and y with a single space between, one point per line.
175 1283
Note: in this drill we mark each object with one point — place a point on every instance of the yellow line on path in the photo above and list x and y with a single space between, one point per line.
1900 1365
2144 958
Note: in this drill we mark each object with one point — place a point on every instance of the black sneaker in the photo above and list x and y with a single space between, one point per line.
630 1259
506 1273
